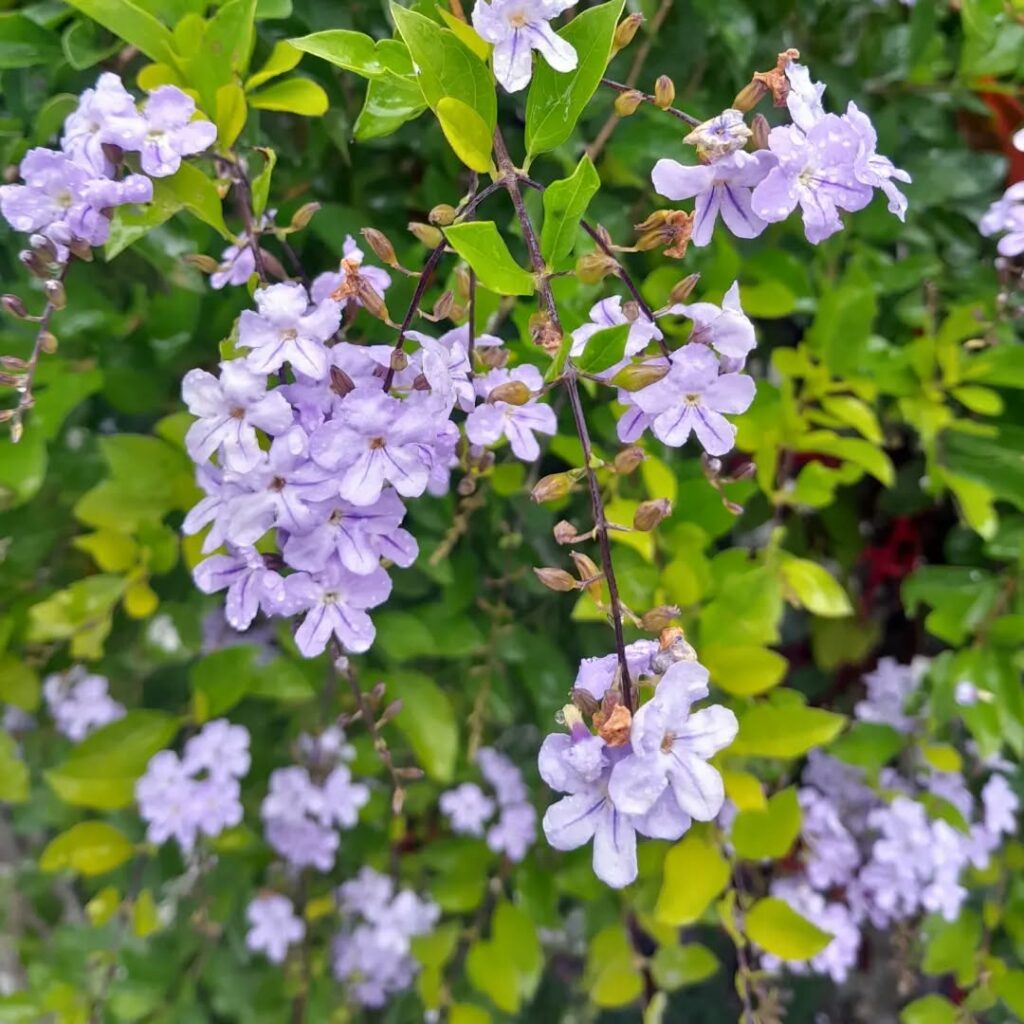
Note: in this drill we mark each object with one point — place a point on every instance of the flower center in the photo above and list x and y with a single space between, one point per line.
518 19
692 399
277 484
377 442
289 334
666 743
330 597
238 413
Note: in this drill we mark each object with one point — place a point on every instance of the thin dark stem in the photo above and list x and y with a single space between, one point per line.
511 178
681 115
471 341
296 264
245 208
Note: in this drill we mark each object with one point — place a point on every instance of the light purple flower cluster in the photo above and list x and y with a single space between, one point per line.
889 687
273 926
79 702
67 195
302 816
1006 217
825 163
517 28
371 954
652 778
198 793
469 809
703 381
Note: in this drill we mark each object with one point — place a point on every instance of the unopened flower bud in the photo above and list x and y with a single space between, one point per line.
750 95
514 392
412 773
625 32
565 532
586 567
48 342
381 245
303 215
17 430
466 486
390 712
684 289
556 579
203 263
13 305
34 263
552 487
650 513
664 92
492 357
721 135
42 245
631 311
732 507
341 382
13 363
81 249
626 103
444 306
442 215
672 647
399 360
11 380
759 130
628 460
429 236
463 282
639 375
594 267
658 618
397 801
585 703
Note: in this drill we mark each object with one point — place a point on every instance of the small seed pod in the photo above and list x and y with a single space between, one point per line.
341 382
444 306
303 215
594 267
759 129
202 262
625 32
626 103
34 263
564 531
552 487
466 486
48 342
428 235
514 392
81 249
639 375
664 92
13 305
684 289
649 514
750 95
628 460
399 360
556 579
658 618
381 245
586 567
442 215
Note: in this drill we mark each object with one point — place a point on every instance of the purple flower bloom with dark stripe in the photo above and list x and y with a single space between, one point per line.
723 187
250 584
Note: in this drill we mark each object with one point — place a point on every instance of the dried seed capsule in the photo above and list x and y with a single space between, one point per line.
626 31
650 513
428 235
514 392
303 215
13 305
442 215
551 488
628 460
626 103
556 579
381 245
664 92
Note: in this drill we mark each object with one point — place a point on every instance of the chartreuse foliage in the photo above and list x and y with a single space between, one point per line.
875 506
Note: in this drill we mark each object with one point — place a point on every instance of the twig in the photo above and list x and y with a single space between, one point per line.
511 178
245 208
648 97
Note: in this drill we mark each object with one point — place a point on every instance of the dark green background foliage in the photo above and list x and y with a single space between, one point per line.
886 517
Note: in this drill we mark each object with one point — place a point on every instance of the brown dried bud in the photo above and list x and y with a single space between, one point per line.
444 306
442 215
412 774
658 618
48 342
565 532
514 392
399 360
750 95
303 215
13 305
664 92
34 263
369 298
11 380
585 701
586 567
732 507
759 129
203 263
46 249
544 333
390 712
493 357
6 415
397 801
614 729
551 488
594 267
556 579
775 81
670 228
625 32
341 382
381 245
462 283
628 460
466 486
626 103
429 236
673 647
650 513
684 289
81 249
638 375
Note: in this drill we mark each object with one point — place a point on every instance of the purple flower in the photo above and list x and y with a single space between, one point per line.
229 410
103 115
671 747
367 894
727 329
608 313
1004 215
79 702
491 421
831 856
889 687
467 809
724 187
237 265
691 399
517 28
220 750
288 330
804 97
724 134
343 798
816 171
250 583
1001 805
445 365
873 169
169 132
502 776
514 832
335 602
273 926
596 675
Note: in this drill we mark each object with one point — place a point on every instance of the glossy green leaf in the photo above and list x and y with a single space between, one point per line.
466 33
674 967
390 101
604 349
695 873
770 833
466 133
776 927
931 1009
565 203
612 977
815 588
743 670
428 721
292 96
480 244
283 57
557 100
88 848
132 23
768 730
24 44
868 745
231 112
190 189
261 182
356 51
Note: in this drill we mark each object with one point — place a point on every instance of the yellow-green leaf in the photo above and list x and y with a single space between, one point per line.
769 730
466 133
230 116
776 927
292 96
743 670
19 684
89 848
695 872
283 57
815 588
768 834
480 244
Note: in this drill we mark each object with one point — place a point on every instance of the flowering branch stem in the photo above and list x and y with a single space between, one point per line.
511 179
648 97
245 208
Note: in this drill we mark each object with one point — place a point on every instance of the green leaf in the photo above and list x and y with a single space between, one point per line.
446 66
951 947
604 348
13 772
428 721
467 1013
480 244
868 745
224 678
995 462
769 730
292 96
261 183
508 966
776 927
815 588
192 190
768 834
673 967
557 100
743 670
861 453
356 51
929 1010
81 613
565 203
85 44
22 467
88 848
132 23
19 684
1010 988
466 33
231 112
695 873
390 101
283 57
466 133
612 977
24 44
